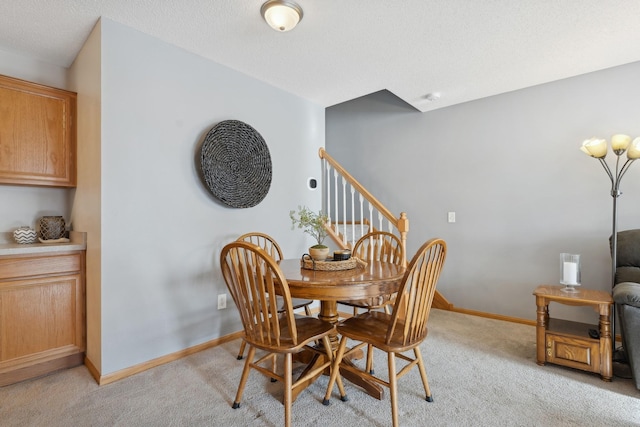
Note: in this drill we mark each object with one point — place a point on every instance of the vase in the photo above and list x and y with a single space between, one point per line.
25 235
319 254
52 227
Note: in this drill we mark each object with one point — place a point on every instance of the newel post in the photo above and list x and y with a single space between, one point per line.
403 229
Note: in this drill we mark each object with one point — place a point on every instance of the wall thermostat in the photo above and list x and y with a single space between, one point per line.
312 183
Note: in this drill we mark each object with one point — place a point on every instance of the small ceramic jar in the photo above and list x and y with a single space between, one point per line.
342 255
25 235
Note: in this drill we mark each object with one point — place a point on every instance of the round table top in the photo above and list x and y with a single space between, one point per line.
377 278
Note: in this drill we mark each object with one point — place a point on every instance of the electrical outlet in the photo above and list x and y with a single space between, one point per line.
222 301
451 217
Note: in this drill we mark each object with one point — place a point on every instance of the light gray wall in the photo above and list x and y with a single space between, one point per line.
24 205
511 169
32 70
161 231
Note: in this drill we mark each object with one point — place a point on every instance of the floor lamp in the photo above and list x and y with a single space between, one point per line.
597 148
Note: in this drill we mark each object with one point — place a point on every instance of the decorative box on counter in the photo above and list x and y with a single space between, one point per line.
25 235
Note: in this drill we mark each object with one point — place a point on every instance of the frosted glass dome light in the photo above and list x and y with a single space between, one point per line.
281 15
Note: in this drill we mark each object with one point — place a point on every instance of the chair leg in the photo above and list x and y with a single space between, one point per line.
423 374
393 387
327 345
307 310
370 359
241 351
274 366
244 377
288 381
335 371
355 311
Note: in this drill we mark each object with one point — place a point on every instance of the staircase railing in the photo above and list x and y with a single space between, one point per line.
352 210
347 219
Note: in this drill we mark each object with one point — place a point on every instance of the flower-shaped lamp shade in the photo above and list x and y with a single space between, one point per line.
595 147
633 152
619 143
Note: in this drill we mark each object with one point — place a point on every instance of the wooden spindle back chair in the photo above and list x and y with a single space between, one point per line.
402 330
254 279
379 246
269 244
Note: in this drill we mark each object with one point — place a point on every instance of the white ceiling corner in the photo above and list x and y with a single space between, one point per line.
341 50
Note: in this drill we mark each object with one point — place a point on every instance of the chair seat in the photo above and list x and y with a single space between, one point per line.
370 303
371 327
300 303
297 304
309 329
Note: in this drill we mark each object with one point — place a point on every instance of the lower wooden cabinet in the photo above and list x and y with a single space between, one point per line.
574 351
42 314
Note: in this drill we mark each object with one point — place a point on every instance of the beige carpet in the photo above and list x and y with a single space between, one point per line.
482 372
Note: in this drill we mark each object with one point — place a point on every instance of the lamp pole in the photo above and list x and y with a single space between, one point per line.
615 193
597 148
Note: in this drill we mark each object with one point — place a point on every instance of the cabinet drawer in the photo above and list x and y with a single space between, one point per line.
573 352
12 268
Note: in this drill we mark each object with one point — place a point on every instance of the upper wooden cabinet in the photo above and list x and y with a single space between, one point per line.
37 134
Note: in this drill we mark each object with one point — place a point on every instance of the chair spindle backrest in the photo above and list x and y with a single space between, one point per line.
380 246
265 241
254 280
413 302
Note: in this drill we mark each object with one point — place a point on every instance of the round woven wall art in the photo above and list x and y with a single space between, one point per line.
236 164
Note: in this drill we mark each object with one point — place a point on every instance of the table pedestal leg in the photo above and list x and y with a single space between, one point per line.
329 313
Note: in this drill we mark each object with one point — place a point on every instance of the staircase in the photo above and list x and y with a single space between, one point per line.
353 212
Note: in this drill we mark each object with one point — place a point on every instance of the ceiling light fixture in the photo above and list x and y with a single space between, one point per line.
281 15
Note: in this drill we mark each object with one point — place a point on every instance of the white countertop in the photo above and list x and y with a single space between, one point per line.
77 242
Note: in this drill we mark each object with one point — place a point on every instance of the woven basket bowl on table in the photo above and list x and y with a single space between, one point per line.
308 263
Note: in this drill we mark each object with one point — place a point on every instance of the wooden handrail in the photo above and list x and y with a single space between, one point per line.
367 195
402 223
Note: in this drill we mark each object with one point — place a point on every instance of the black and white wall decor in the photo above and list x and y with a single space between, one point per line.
236 164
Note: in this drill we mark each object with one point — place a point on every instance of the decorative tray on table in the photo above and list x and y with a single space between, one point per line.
329 264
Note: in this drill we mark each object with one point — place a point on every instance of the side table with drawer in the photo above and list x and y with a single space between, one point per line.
568 343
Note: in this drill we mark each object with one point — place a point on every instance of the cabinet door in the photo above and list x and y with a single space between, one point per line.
41 316
37 134
573 352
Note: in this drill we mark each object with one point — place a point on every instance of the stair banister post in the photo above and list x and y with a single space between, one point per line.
353 216
326 187
403 229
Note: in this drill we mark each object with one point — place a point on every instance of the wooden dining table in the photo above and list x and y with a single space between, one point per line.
364 281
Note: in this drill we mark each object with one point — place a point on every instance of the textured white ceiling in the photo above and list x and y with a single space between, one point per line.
344 49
